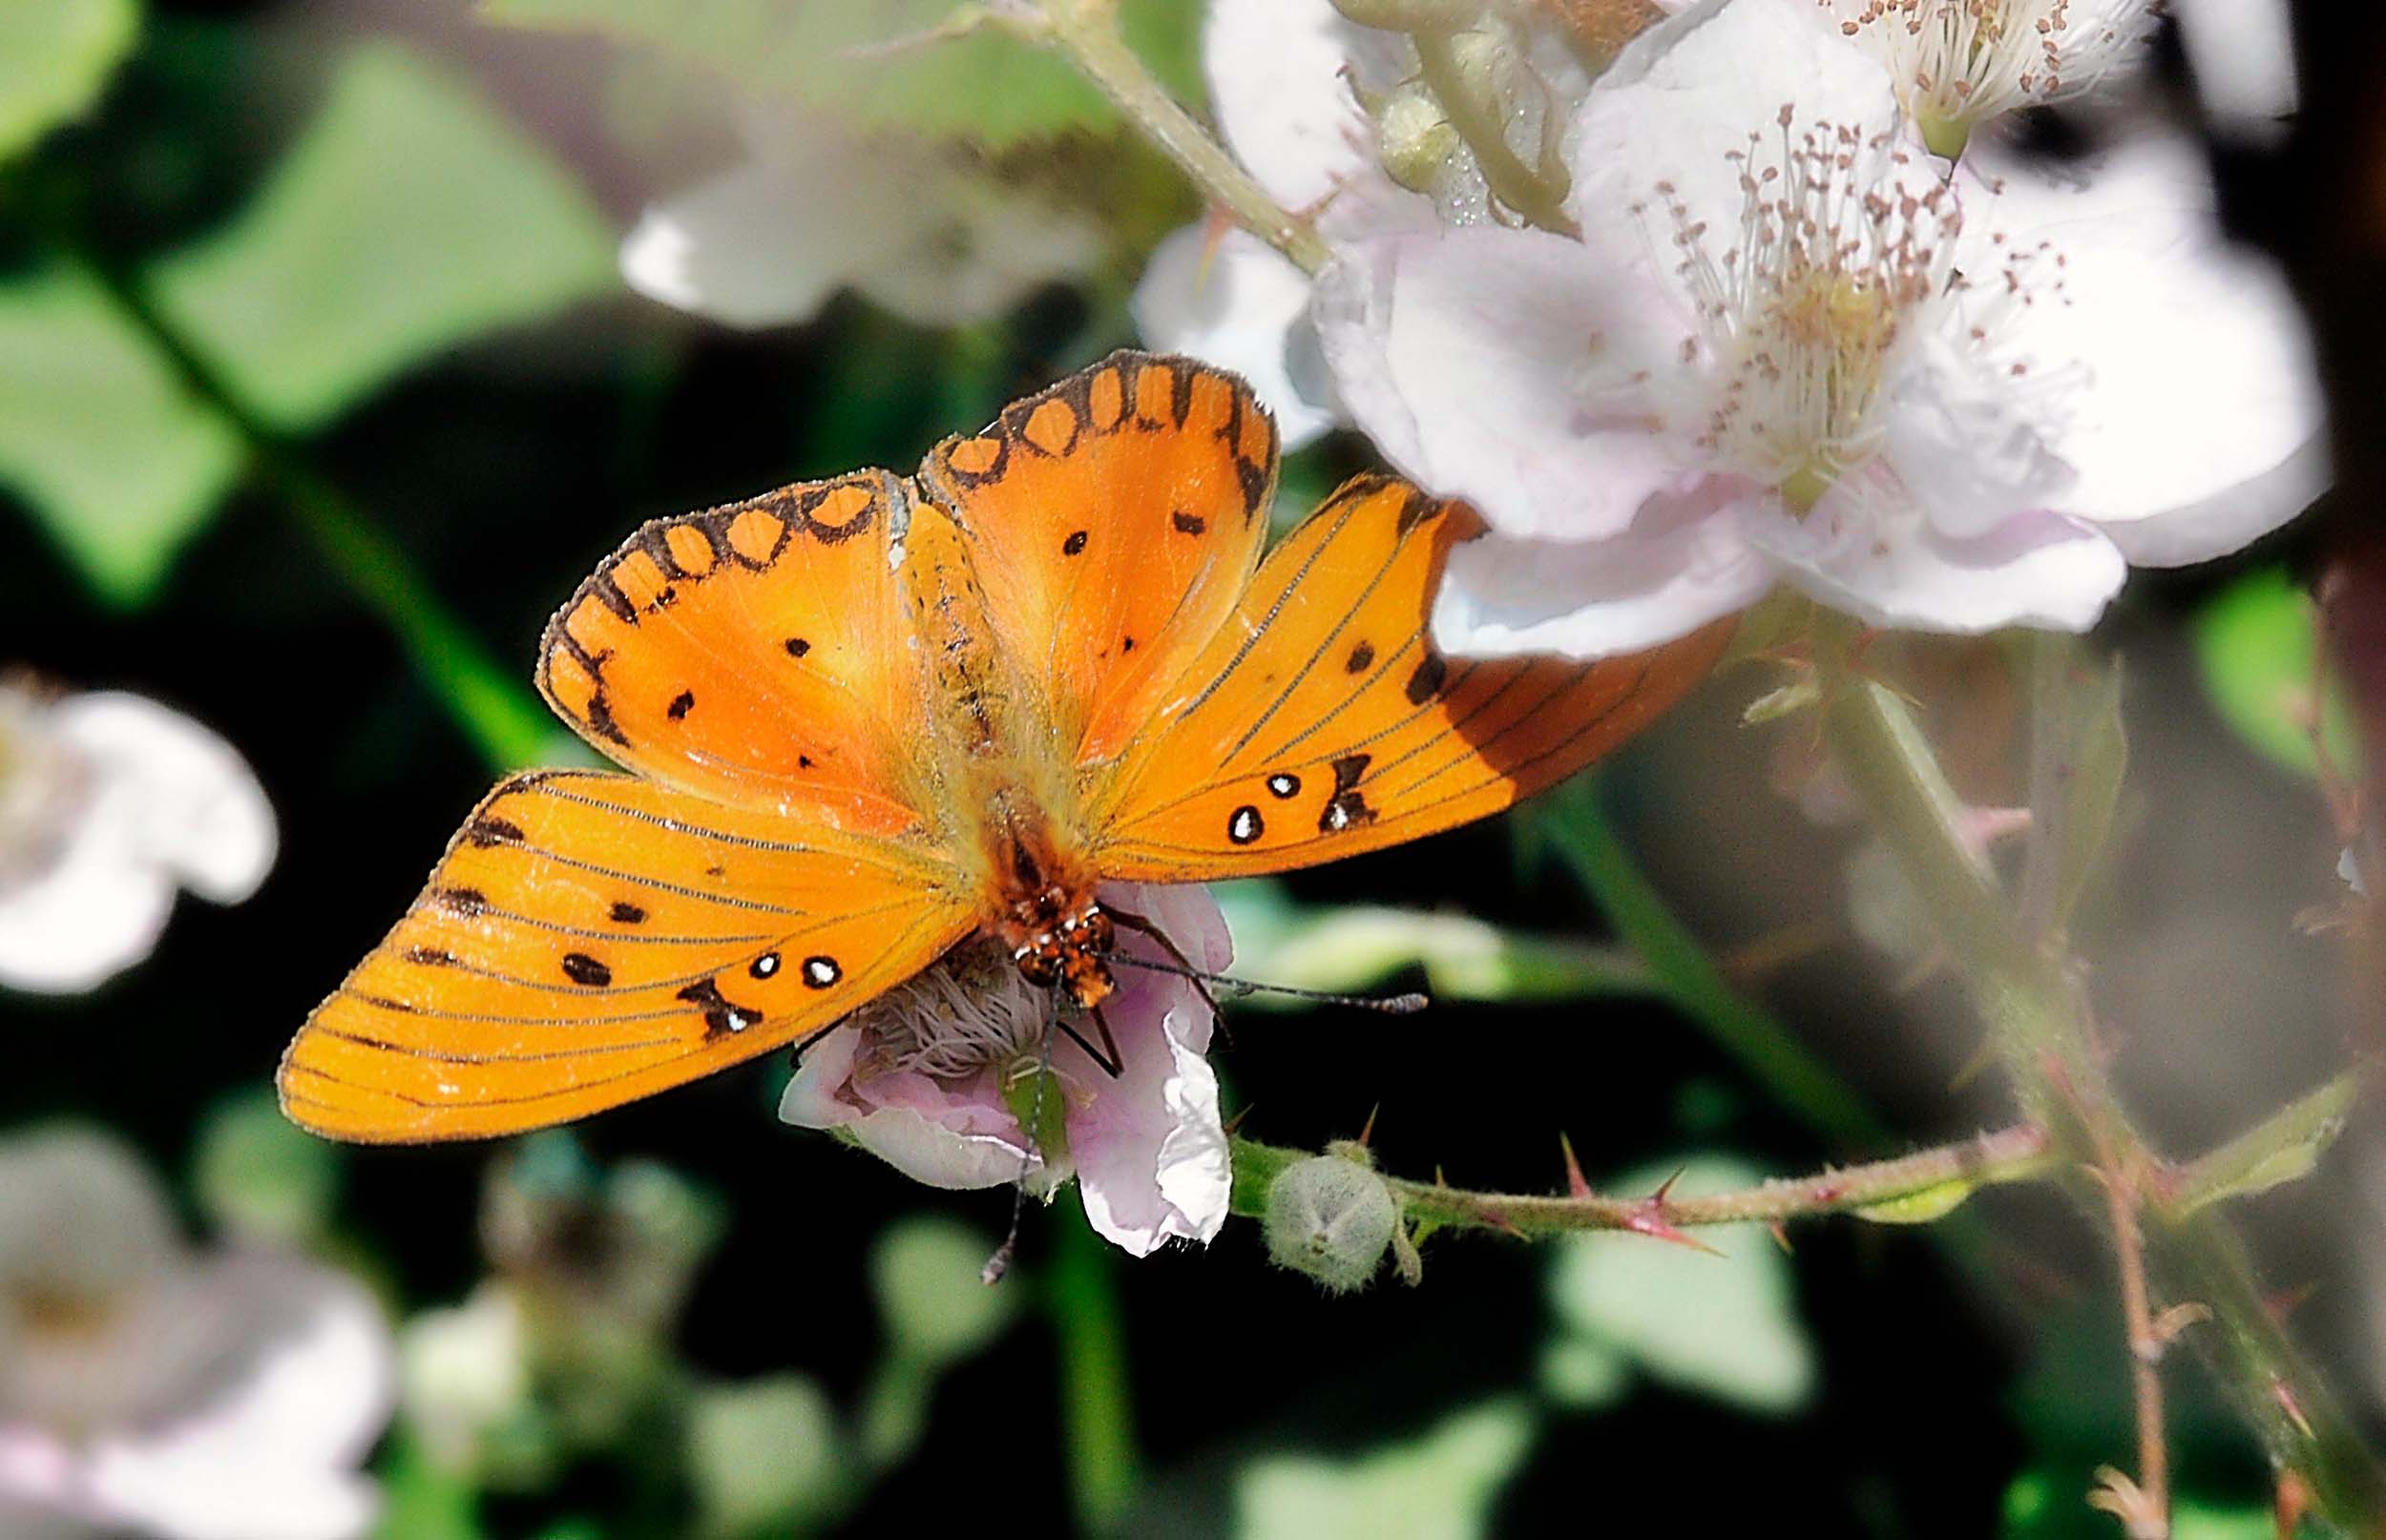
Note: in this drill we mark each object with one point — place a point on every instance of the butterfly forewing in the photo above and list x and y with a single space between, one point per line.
1321 721
1114 520
754 654
591 938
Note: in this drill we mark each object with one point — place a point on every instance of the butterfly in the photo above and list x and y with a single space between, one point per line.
863 721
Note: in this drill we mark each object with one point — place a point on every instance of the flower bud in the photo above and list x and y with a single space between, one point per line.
1331 1218
1411 16
1415 139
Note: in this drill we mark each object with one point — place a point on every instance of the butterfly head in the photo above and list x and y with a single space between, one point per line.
1056 941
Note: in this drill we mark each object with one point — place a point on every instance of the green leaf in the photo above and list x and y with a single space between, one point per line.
2257 642
260 1175
55 57
2284 1147
112 454
764 1456
421 1501
926 1271
2099 761
1933 1202
1441 1486
879 64
408 218
1723 1325
1463 958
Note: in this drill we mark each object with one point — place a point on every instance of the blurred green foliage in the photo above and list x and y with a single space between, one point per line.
2257 642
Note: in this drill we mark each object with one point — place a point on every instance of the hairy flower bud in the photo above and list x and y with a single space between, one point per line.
1411 16
1415 138
1331 1217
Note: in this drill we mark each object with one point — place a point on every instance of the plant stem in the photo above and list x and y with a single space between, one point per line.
1510 180
502 719
1945 1172
2148 1514
2029 995
1097 1407
1576 824
1087 31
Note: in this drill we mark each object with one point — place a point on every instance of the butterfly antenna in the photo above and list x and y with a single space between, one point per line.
999 1264
1390 1005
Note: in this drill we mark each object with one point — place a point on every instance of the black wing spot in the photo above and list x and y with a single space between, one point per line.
1361 658
1189 523
430 957
797 647
626 913
467 902
680 705
600 720
1283 786
803 761
1127 645
1427 681
764 965
721 1019
484 832
1347 807
1245 826
581 968
820 972
665 598
1074 544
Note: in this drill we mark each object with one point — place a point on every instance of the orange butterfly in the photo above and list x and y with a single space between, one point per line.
871 717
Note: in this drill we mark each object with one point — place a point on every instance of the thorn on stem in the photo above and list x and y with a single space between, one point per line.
1576 1186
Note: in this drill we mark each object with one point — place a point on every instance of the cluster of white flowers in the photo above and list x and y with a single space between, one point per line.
1765 332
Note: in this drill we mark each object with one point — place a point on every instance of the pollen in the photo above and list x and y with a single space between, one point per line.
1959 63
1839 253
968 1012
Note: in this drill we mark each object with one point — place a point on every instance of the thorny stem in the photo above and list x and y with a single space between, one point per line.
2145 1515
501 718
1946 1171
2029 995
1087 31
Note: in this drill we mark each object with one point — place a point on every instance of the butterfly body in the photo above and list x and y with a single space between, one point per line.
861 722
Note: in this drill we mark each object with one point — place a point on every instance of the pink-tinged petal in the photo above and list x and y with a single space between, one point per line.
2198 370
955 1135
1281 74
1867 549
1478 361
1967 443
275 1455
1679 104
1241 306
1681 564
1150 1147
2227 521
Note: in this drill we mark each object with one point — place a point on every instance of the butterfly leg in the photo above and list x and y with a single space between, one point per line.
1192 975
1112 1063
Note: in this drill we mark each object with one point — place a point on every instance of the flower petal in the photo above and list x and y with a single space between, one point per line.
1240 306
1681 564
761 245
956 1137
196 809
1150 1147
275 1455
1866 549
1280 79
2200 375
1472 357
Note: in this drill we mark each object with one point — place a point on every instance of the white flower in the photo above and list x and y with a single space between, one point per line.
915 227
1784 349
1285 78
108 803
1957 64
936 1079
148 1390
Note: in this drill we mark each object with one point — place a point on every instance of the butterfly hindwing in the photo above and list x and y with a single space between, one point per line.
1114 519
590 938
1321 721
753 654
